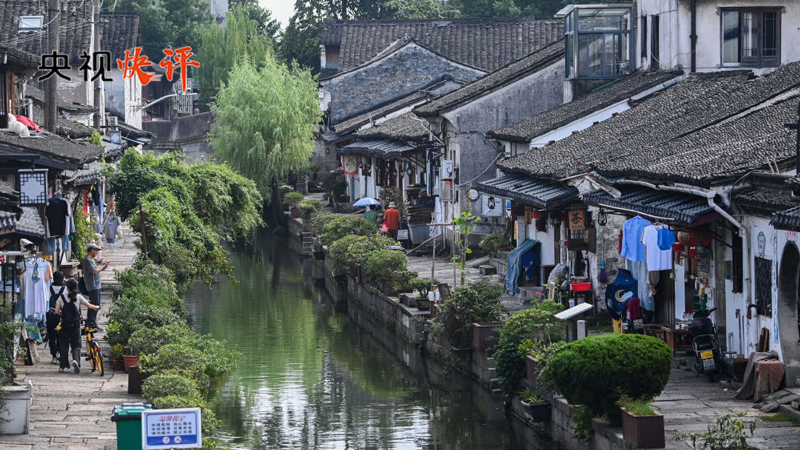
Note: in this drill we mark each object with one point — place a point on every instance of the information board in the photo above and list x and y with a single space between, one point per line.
171 428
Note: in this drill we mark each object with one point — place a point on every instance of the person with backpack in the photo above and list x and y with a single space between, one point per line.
91 277
69 336
57 292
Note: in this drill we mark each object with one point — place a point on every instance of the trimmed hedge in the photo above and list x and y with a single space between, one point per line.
346 225
384 265
597 370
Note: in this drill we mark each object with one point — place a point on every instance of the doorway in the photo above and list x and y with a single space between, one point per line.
788 297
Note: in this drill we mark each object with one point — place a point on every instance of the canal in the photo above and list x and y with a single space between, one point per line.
309 377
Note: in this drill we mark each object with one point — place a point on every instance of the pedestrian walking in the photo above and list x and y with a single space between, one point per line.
57 292
91 277
392 219
69 335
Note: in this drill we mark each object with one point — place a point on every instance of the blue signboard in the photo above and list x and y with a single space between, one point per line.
172 428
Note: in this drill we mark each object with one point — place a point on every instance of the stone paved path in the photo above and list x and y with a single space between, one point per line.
73 411
690 403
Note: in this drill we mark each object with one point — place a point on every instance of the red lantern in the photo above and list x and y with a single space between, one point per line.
538 214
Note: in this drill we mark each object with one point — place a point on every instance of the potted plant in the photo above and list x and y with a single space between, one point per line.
129 359
422 286
382 266
492 242
642 426
308 208
319 254
485 334
292 199
535 406
116 354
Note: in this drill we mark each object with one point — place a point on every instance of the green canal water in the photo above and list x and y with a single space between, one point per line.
311 378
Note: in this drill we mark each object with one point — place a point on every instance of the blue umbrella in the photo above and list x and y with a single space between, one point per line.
366 201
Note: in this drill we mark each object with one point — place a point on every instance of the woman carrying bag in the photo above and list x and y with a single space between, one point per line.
69 335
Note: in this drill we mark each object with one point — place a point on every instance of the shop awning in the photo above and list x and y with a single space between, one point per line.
539 193
675 207
787 220
380 148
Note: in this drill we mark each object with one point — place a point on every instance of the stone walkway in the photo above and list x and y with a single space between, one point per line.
690 403
73 411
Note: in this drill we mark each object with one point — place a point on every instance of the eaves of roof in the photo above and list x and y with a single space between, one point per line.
538 193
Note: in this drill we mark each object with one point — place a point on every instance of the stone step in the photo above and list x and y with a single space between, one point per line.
486 269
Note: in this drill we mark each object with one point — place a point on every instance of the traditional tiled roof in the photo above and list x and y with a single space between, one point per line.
675 207
66 128
787 220
511 73
538 193
30 223
119 32
602 97
406 128
75 25
88 175
38 95
687 133
356 122
382 148
762 199
487 44
19 59
57 148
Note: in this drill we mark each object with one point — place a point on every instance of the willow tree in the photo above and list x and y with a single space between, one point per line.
267 116
222 46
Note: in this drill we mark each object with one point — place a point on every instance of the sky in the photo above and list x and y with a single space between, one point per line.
281 9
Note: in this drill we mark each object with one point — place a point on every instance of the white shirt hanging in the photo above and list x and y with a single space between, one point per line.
657 259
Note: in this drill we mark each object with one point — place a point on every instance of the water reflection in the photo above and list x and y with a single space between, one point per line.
313 378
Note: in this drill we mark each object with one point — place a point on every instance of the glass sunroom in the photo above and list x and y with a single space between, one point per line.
598 40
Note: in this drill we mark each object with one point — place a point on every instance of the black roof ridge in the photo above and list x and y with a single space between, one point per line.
473 20
502 83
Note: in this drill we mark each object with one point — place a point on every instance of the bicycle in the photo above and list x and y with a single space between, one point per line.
93 352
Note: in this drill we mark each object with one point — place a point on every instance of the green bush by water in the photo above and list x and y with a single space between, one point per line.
597 370
383 265
346 225
476 302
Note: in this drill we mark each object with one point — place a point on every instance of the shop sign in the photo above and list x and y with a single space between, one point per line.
32 187
576 220
172 428
528 215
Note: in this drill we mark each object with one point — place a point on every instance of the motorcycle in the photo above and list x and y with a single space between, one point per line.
705 345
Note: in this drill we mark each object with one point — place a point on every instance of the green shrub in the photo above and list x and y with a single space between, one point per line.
130 315
493 241
149 283
384 265
346 225
340 255
353 251
635 406
729 432
319 221
291 199
219 358
597 370
402 281
163 385
149 340
194 400
477 302
543 356
308 208
178 359
537 324
334 182
423 286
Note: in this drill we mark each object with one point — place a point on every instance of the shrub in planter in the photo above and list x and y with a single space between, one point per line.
542 357
537 324
177 359
477 302
319 221
383 265
597 370
308 208
493 241
292 199
641 424
346 225
148 341
340 255
422 285
168 384
147 282
402 282
195 400
128 316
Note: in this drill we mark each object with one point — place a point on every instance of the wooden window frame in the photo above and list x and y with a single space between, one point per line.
753 61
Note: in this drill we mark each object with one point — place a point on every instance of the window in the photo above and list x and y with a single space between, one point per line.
598 41
655 45
738 269
643 40
763 271
751 37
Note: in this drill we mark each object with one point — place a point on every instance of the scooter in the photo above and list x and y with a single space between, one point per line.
705 344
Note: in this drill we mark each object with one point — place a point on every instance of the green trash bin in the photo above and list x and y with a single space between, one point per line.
128 417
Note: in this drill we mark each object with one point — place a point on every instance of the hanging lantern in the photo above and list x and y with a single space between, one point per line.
538 214
687 238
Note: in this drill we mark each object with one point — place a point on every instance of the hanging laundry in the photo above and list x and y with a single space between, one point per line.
632 247
36 282
57 211
620 292
657 259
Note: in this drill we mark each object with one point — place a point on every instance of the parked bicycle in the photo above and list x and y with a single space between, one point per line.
93 352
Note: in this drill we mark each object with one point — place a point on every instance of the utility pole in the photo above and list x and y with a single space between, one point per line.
99 86
51 98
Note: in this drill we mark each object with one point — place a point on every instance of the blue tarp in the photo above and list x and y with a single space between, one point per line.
514 260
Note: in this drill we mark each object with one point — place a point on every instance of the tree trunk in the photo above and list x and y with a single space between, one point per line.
277 211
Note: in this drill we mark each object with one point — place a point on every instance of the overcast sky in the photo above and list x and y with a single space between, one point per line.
281 9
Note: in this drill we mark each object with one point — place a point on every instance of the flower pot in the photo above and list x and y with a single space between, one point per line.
129 361
462 354
118 364
294 212
531 370
485 335
15 418
539 412
643 431
136 380
423 304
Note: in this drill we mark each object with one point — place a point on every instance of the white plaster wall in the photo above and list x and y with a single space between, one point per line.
675 24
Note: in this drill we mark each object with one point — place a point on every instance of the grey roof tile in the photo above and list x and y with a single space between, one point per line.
487 44
762 199
679 208
539 193
356 122
406 127
787 220
30 223
607 95
687 133
382 148
509 74
120 32
75 20
58 148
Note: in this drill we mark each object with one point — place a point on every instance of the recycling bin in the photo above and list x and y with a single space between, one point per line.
128 417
